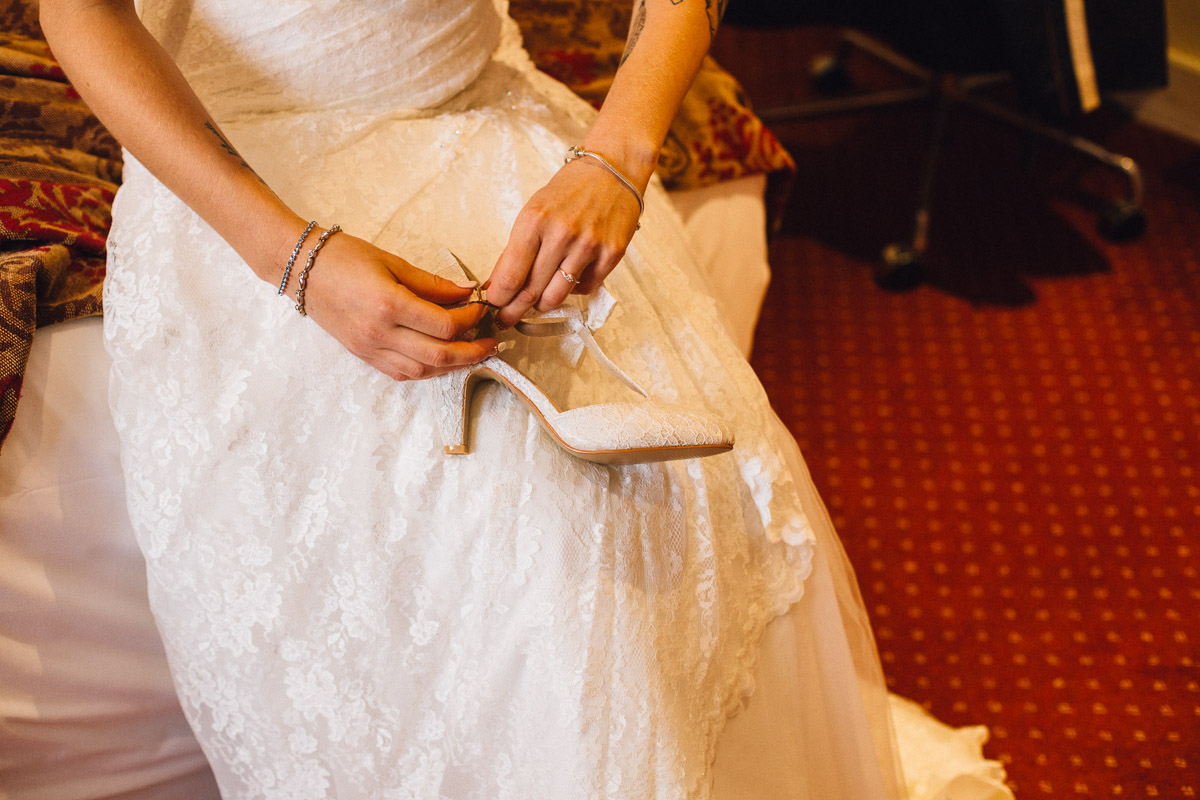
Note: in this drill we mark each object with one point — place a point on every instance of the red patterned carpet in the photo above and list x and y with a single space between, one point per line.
1012 451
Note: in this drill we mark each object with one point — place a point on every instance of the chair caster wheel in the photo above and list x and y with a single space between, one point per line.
829 75
1122 221
901 268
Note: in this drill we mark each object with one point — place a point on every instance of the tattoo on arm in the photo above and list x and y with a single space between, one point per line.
228 148
635 28
713 9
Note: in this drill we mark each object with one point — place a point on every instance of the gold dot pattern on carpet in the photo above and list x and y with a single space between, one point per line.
1019 487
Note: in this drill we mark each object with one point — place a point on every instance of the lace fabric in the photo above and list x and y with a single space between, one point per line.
348 612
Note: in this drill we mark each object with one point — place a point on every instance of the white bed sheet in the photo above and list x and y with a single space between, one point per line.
87 709
727 223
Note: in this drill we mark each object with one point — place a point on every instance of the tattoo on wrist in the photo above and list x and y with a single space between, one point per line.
228 148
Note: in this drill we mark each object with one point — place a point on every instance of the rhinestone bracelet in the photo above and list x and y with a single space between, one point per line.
578 152
302 281
287 271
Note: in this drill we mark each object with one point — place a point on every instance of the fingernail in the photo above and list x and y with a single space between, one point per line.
500 348
466 284
500 326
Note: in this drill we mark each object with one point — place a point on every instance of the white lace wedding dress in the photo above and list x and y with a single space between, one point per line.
350 613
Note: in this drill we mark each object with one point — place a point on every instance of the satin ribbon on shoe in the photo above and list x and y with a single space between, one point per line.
562 321
566 320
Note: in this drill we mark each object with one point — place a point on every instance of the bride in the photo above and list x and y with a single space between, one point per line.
359 600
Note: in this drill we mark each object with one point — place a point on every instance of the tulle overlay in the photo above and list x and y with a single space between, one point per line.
350 613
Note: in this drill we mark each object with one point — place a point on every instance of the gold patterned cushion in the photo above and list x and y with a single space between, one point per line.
59 170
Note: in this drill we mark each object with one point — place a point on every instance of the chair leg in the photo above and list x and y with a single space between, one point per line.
902 266
843 105
829 75
853 40
1123 219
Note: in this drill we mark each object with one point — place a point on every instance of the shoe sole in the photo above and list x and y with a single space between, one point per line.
642 455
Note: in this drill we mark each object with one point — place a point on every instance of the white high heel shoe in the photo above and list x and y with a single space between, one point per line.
607 433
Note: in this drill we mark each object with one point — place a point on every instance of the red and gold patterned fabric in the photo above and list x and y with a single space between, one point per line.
715 135
59 169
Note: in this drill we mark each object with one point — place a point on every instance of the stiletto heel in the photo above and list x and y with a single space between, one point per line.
452 411
607 433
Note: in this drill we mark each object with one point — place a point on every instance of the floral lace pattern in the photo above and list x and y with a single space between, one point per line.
347 611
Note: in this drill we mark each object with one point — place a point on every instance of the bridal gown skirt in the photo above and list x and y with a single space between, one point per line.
350 613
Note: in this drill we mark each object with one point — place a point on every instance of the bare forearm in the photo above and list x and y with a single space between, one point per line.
384 310
667 41
139 94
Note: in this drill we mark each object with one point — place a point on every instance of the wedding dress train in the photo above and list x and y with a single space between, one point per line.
348 612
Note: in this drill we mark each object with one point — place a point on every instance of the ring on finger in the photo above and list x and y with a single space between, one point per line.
571 279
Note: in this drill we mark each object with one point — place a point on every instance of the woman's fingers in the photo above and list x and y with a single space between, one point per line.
423 339
410 355
590 282
431 287
550 256
438 354
577 266
397 366
512 269
561 247
585 257
410 311
579 223
393 315
606 262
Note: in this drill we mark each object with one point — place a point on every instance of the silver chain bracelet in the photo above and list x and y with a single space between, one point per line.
578 152
302 281
287 271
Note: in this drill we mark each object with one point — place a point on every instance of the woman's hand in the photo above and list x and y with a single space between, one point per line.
582 221
381 308
390 313
579 223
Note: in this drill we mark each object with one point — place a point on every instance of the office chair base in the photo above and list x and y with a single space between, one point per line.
901 268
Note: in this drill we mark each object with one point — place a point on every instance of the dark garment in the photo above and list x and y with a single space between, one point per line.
1027 38
1128 43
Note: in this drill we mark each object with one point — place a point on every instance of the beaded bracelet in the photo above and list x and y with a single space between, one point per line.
302 281
578 152
287 271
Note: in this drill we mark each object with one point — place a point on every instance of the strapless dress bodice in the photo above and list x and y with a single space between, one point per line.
387 56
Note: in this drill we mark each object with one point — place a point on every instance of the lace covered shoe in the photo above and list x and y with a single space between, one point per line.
609 433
